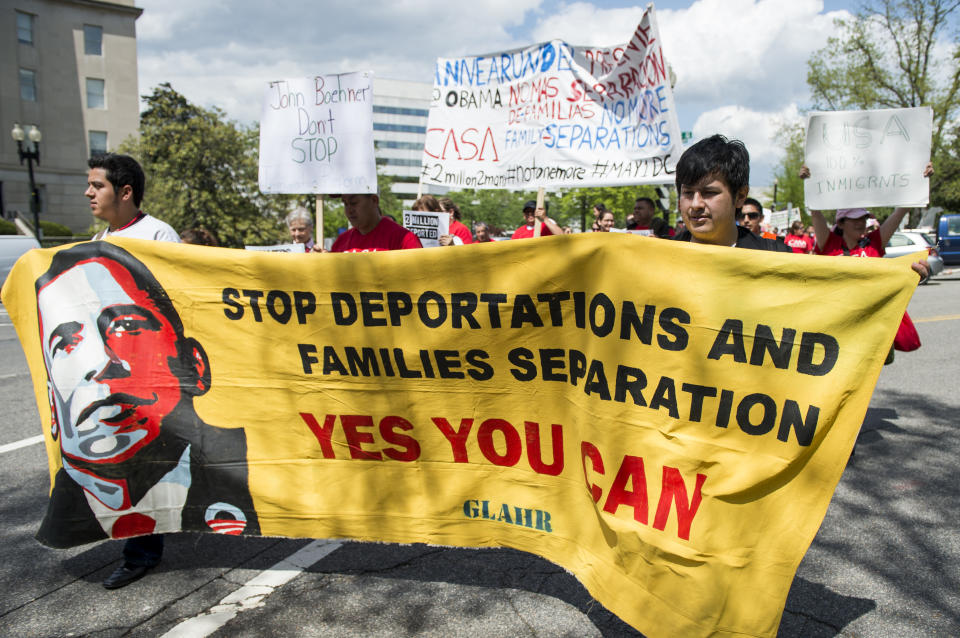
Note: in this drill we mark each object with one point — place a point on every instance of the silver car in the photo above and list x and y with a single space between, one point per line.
909 241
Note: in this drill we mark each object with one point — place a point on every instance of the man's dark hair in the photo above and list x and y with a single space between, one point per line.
649 201
717 157
122 170
754 202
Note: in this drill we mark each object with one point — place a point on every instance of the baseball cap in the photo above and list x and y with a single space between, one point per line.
853 213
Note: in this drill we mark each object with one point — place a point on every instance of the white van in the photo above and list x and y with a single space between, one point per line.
11 247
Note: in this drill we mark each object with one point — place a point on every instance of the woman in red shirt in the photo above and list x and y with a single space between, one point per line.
797 240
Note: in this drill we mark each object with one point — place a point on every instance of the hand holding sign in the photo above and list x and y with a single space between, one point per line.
868 158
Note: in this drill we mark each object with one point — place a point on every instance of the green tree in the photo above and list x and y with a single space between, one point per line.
789 184
202 170
501 209
897 54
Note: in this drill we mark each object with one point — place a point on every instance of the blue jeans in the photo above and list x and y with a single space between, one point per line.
144 551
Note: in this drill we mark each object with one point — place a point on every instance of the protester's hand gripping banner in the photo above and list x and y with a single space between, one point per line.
674 447
868 158
554 115
316 135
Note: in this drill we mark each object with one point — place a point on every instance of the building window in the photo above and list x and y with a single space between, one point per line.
98 142
406 146
399 128
24 28
397 110
95 94
92 39
28 85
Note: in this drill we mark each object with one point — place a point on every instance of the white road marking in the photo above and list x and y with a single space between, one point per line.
254 591
16 445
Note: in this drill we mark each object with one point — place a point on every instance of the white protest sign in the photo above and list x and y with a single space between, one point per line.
316 135
280 248
868 158
427 226
553 115
781 219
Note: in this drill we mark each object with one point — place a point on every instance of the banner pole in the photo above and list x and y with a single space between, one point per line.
538 225
419 190
318 235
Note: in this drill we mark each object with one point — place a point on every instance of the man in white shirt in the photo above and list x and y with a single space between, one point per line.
115 186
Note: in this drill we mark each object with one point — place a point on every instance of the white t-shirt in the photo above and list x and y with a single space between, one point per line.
143 227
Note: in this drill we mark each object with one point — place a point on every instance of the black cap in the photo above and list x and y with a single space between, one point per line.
532 205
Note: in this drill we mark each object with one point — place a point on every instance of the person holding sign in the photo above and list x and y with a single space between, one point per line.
712 179
370 231
850 236
456 226
532 214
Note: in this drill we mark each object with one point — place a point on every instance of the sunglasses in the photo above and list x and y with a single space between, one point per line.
752 215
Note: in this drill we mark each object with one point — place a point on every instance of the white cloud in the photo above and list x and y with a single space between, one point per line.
756 129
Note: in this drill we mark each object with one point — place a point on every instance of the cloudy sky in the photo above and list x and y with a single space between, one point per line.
740 64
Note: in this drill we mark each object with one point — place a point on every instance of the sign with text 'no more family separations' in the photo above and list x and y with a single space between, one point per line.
868 158
555 115
316 135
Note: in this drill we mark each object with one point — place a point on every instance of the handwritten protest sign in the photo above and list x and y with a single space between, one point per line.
868 158
782 219
674 447
316 135
554 114
427 226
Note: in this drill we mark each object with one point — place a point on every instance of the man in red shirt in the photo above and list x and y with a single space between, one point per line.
370 231
532 214
644 219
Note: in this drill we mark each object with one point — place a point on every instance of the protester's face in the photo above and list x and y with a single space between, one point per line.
104 200
108 352
300 231
643 213
606 222
528 216
362 211
752 218
811 231
854 228
708 209
482 233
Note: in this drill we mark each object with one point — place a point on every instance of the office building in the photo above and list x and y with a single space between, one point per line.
400 112
68 67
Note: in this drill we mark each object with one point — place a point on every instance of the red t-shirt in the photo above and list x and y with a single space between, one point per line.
386 235
871 248
526 232
461 231
799 243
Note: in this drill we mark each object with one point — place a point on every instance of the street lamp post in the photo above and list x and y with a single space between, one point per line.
776 182
31 155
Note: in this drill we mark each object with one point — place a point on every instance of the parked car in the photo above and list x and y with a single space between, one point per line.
948 238
907 242
11 247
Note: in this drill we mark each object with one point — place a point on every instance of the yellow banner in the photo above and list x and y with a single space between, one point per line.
667 421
